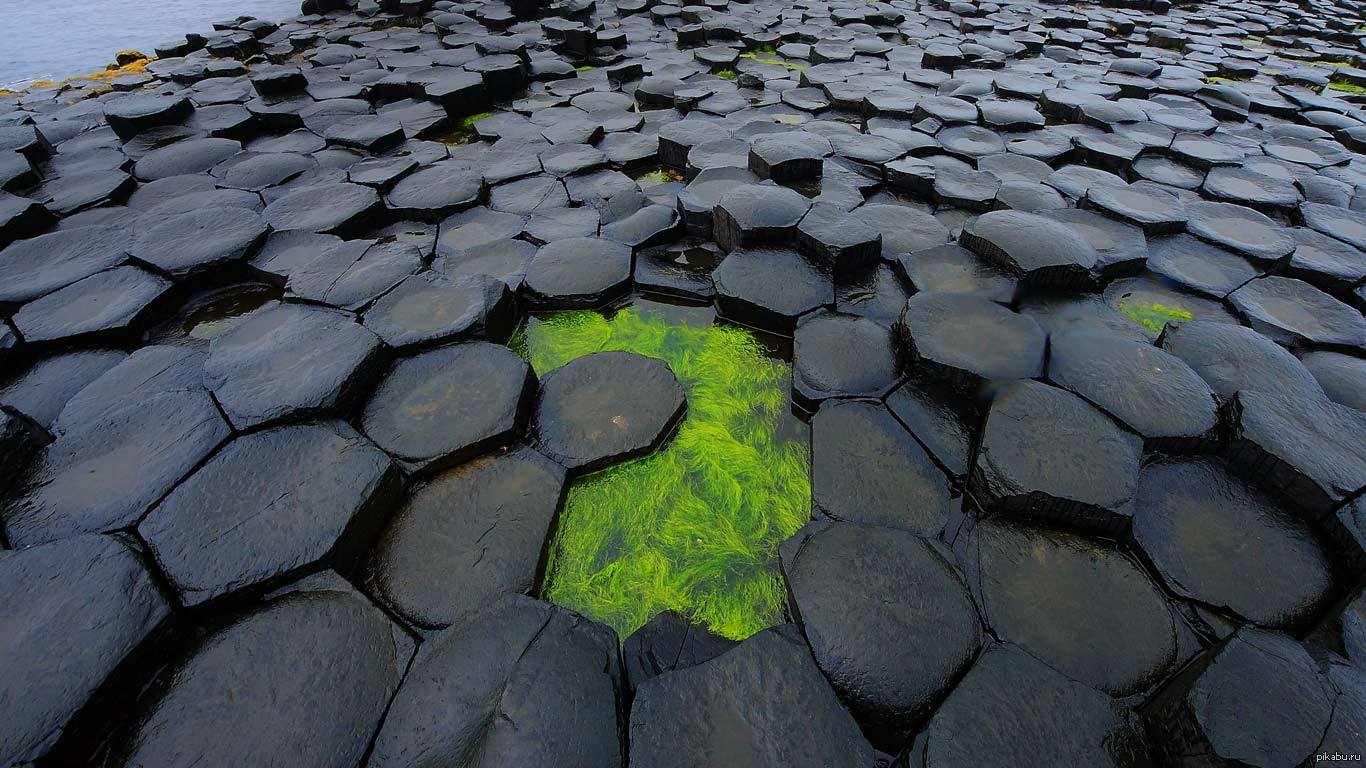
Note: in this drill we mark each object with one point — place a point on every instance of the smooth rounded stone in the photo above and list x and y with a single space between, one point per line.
551 224
1083 608
1256 700
1232 358
255 368
578 272
1349 226
190 243
284 252
681 269
109 303
889 621
838 355
330 208
131 114
676 717
184 157
953 269
1121 249
505 260
1045 254
38 266
1343 377
1046 454
715 154
966 340
1012 708
606 407
650 225
225 529
521 683
942 425
429 308
41 391
443 407
76 611
1240 229
468 537
434 193
256 172
372 133
328 659
477 226
567 159
667 643
1154 211
866 468
1308 451
1202 267
1075 181
757 214
1246 187
769 288
875 292
904 229
1215 540
1151 391
790 156
1164 170
1294 313
1029 196
150 371
1325 262
354 273
105 474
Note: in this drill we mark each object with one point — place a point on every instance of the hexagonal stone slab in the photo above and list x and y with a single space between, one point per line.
1240 229
256 370
129 115
1200 266
148 372
607 407
430 308
1083 608
769 288
1295 313
43 390
790 156
757 214
1231 358
522 683
1341 223
189 243
328 659
1121 249
1146 388
1021 711
578 272
446 406
966 340
889 620
842 241
109 304
1308 451
1045 254
837 355
76 611
106 474
40 265
674 718
271 504
866 468
1047 454
954 269
1256 700
668 642
1218 541
468 537
339 209
1343 377
353 273
435 192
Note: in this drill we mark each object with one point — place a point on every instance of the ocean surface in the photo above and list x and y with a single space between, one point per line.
55 39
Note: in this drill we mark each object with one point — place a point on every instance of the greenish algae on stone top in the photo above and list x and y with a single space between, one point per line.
1153 316
695 527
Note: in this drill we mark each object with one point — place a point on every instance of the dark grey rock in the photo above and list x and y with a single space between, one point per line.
428 309
189 243
1294 313
837 355
667 643
112 304
1231 358
31 268
578 272
966 340
1045 254
769 288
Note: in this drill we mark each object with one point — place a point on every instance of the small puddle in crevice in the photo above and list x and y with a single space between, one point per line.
694 527
209 315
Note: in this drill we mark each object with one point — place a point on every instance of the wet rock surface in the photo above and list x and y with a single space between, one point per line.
1071 297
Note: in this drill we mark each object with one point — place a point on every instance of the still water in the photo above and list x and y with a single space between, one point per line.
54 39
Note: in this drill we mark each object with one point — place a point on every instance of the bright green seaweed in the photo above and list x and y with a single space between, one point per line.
1153 316
695 527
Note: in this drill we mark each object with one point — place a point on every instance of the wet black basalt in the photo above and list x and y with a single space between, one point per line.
668 643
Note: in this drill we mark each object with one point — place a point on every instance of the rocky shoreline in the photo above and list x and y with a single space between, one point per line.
758 383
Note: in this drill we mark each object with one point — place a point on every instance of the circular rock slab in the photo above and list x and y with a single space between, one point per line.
889 621
965 339
106 474
578 272
1085 609
287 360
675 717
75 610
429 308
1011 709
468 537
1153 392
1218 541
446 406
268 505
837 355
1047 255
523 683
607 407
1045 453
866 468
326 658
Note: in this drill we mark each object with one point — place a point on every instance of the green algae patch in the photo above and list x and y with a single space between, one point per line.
1153 316
763 58
463 132
1343 86
727 74
695 527
659 175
